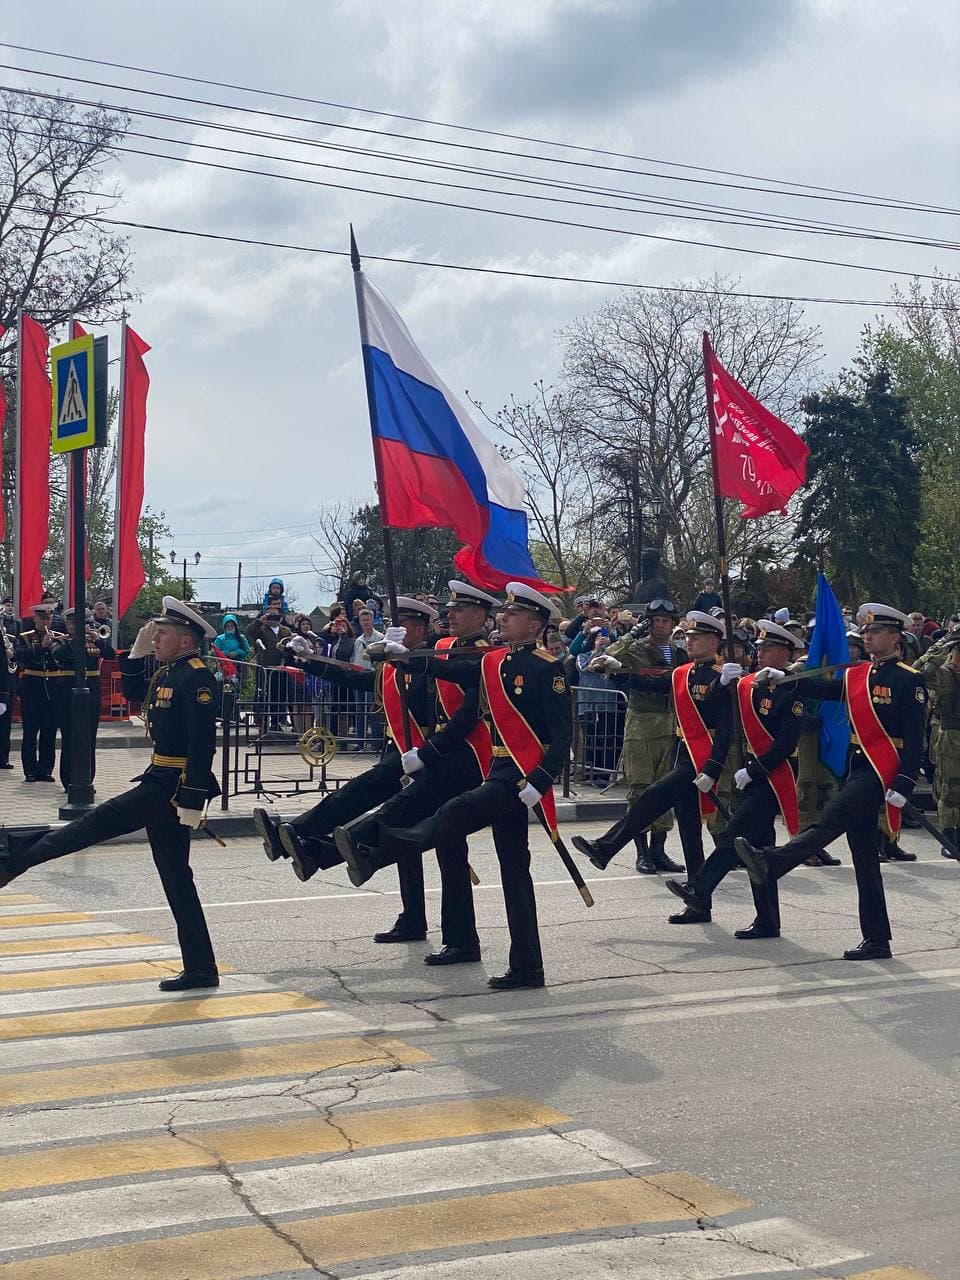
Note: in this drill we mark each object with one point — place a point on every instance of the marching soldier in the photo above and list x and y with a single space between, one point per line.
940 667
771 718
704 730
886 702
526 704
97 650
180 709
650 731
39 700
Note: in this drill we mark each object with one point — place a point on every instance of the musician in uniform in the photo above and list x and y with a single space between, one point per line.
39 700
525 702
650 730
180 709
772 719
886 702
704 732
97 649
8 692
307 840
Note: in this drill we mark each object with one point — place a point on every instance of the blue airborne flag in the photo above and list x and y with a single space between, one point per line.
828 646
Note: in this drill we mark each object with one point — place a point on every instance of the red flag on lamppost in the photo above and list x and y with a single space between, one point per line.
758 459
33 460
128 574
3 418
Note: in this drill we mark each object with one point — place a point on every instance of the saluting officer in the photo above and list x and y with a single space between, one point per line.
307 839
886 702
704 731
98 649
180 709
772 720
39 678
526 704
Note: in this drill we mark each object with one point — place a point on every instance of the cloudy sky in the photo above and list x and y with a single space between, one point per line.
257 414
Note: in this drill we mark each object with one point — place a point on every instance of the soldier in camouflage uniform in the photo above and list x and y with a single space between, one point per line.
940 667
650 732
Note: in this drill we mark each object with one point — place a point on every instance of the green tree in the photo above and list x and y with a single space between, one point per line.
350 540
861 509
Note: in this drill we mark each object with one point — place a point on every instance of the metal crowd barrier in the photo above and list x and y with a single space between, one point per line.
599 715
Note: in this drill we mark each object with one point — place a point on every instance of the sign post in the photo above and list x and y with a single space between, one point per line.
78 377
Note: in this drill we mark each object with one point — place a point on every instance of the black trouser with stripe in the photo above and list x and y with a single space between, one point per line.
753 819
38 711
852 812
149 805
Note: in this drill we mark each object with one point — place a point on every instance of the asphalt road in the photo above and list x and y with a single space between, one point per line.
822 1091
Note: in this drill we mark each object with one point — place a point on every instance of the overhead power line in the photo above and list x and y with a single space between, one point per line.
857 198
446 124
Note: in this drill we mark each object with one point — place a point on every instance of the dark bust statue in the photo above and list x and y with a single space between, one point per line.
652 584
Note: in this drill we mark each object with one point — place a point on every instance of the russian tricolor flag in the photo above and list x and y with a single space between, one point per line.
437 468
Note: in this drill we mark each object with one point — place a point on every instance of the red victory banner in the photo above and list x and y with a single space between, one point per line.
129 576
758 459
3 418
33 461
76 331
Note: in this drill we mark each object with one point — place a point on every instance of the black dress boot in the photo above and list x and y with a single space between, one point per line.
658 853
644 864
268 829
953 835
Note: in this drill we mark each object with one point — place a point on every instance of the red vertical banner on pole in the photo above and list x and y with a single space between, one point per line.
3 418
133 422
33 481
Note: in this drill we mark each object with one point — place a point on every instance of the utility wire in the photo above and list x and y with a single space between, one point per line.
445 124
333 124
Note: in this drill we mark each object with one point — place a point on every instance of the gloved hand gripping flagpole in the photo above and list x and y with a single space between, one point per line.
388 563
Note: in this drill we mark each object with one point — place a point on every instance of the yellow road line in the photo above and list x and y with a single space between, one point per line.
17 899
340 1238
51 917
889 1273
150 1014
91 942
202 1148
302 1057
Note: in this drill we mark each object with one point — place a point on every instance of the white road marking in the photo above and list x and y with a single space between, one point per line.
84 959
60 999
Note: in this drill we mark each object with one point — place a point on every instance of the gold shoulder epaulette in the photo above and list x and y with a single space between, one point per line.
542 653
198 664
907 667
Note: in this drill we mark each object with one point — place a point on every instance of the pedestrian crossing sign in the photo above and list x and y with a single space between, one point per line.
74 419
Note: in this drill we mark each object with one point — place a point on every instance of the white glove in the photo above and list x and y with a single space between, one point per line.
730 671
772 675
192 818
703 782
411 761
395 635
530 796
394 649
3 708
605 664
143 645
742 779
896 799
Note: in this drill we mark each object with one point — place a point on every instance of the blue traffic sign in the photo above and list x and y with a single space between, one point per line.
74 418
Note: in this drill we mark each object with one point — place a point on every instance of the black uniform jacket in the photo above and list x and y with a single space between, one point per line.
899 698
63 653
780 711
717 713
537 687
450 731
180 709
36 659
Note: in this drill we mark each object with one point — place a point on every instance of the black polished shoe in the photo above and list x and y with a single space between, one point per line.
5 764
30 777
953 835
359 866
869 950
268 829
896 854
191 980
304 866
689 896
756 931
515 978
755 860
401 934
453 955
45 777
825 859
592 850
690 916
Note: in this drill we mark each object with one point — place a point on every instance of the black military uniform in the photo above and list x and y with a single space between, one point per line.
676 790
97 651
781 712
899 700
537 687
180 708
40 678
8 691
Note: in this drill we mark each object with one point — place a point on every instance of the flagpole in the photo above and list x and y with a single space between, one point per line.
388 563
117 496
18 454
721 538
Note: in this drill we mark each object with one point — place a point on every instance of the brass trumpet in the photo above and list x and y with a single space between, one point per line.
317 746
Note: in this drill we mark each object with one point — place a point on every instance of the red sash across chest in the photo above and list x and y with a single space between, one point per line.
760 740
451 699
874 739
526 749
696 735
393 711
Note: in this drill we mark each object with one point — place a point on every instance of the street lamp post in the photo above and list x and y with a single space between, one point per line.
173 560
